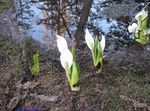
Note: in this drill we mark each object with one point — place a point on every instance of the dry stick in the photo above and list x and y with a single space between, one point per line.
131 12
138 6
146 5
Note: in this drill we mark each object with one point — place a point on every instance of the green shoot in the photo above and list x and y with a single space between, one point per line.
35 69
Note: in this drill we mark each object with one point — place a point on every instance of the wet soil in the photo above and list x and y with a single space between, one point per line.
123 85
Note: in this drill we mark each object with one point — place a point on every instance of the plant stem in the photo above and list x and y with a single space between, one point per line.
101 63
94 59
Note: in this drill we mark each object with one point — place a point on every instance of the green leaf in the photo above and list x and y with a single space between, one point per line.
36 59
73 53
142 41
142 32
95 52
75 74
35 69
144 23
98 53
141 15
142 37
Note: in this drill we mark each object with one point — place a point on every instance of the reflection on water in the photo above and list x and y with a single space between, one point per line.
30 18
43 19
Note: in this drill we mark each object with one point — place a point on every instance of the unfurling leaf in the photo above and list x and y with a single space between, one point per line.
141 15
35 69
144 23
97 50
74 74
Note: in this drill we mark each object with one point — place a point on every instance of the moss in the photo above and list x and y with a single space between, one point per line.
4 4
111 100
136 87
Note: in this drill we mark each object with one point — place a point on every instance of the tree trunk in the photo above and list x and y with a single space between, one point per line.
82 22
64 16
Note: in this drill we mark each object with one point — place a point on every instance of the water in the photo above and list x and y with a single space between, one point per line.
108 17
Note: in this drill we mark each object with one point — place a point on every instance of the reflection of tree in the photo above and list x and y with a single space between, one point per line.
61 15
71 16
53 12
60 12
23 12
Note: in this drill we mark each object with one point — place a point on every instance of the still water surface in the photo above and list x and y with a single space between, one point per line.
40 19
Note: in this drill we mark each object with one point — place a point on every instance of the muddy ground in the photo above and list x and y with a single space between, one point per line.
123 85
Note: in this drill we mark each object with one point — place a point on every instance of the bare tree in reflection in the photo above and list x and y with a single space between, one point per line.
23 12
55 15
63 14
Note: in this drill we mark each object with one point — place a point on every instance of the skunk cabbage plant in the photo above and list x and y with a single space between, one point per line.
35 69
97 47
68 62
140 29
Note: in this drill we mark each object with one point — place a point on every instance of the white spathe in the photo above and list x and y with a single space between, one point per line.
89 39
132 28
61 43
141 15
66 59
102 43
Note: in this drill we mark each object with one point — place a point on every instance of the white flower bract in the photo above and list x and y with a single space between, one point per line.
141 15
89 39
66 59
132 28
102 43
61 43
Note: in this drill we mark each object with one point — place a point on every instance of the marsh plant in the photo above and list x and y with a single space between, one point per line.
68 62
97 47
35 68
140 29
